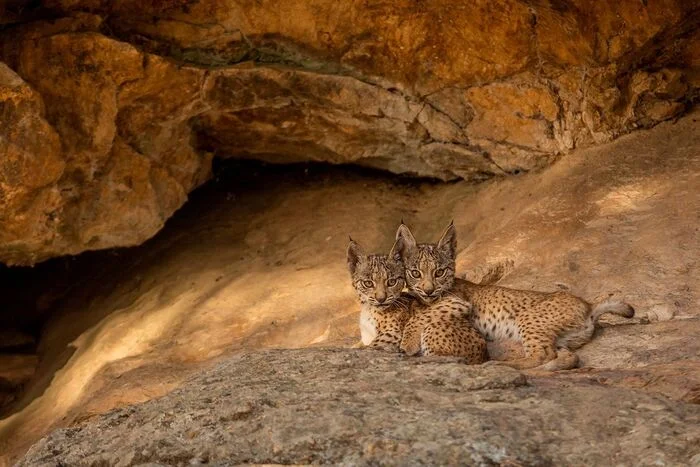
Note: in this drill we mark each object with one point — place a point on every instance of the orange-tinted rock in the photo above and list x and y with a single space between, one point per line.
96 185
424 45
132 100
31 164
283 115
429 44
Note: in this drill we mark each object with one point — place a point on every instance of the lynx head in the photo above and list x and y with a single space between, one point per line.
430 267
377 279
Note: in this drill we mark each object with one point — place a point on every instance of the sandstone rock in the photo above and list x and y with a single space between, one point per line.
98 188
30 166
364 408
426 46
282 115
679 380
130 100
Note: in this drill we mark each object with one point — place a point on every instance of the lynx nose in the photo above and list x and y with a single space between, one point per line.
428 289
380 298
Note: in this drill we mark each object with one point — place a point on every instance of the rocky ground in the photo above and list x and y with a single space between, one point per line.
360 407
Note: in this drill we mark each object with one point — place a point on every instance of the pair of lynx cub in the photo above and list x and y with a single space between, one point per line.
443 315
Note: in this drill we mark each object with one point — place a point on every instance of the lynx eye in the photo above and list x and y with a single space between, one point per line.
439 272
391 282
415 273
367 284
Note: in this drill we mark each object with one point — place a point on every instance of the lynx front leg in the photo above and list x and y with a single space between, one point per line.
432 342
387 341
411 340
456 338
437 339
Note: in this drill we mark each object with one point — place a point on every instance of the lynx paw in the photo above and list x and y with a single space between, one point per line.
495 363
384 346
410 350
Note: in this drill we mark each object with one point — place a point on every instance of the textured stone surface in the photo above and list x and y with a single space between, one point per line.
363 408
98 187
112 111
679 380
257 261
30 167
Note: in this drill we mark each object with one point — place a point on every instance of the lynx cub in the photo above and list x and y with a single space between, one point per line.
378 281
549 325
390 320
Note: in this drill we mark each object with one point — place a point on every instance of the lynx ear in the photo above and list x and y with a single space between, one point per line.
405 241
354 255
448 241
395 253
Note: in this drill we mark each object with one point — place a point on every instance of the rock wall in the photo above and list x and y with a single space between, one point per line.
111 112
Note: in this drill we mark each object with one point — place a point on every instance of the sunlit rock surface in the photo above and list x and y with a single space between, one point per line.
112 111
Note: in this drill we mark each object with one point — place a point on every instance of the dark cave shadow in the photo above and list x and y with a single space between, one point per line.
54 288
36 386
